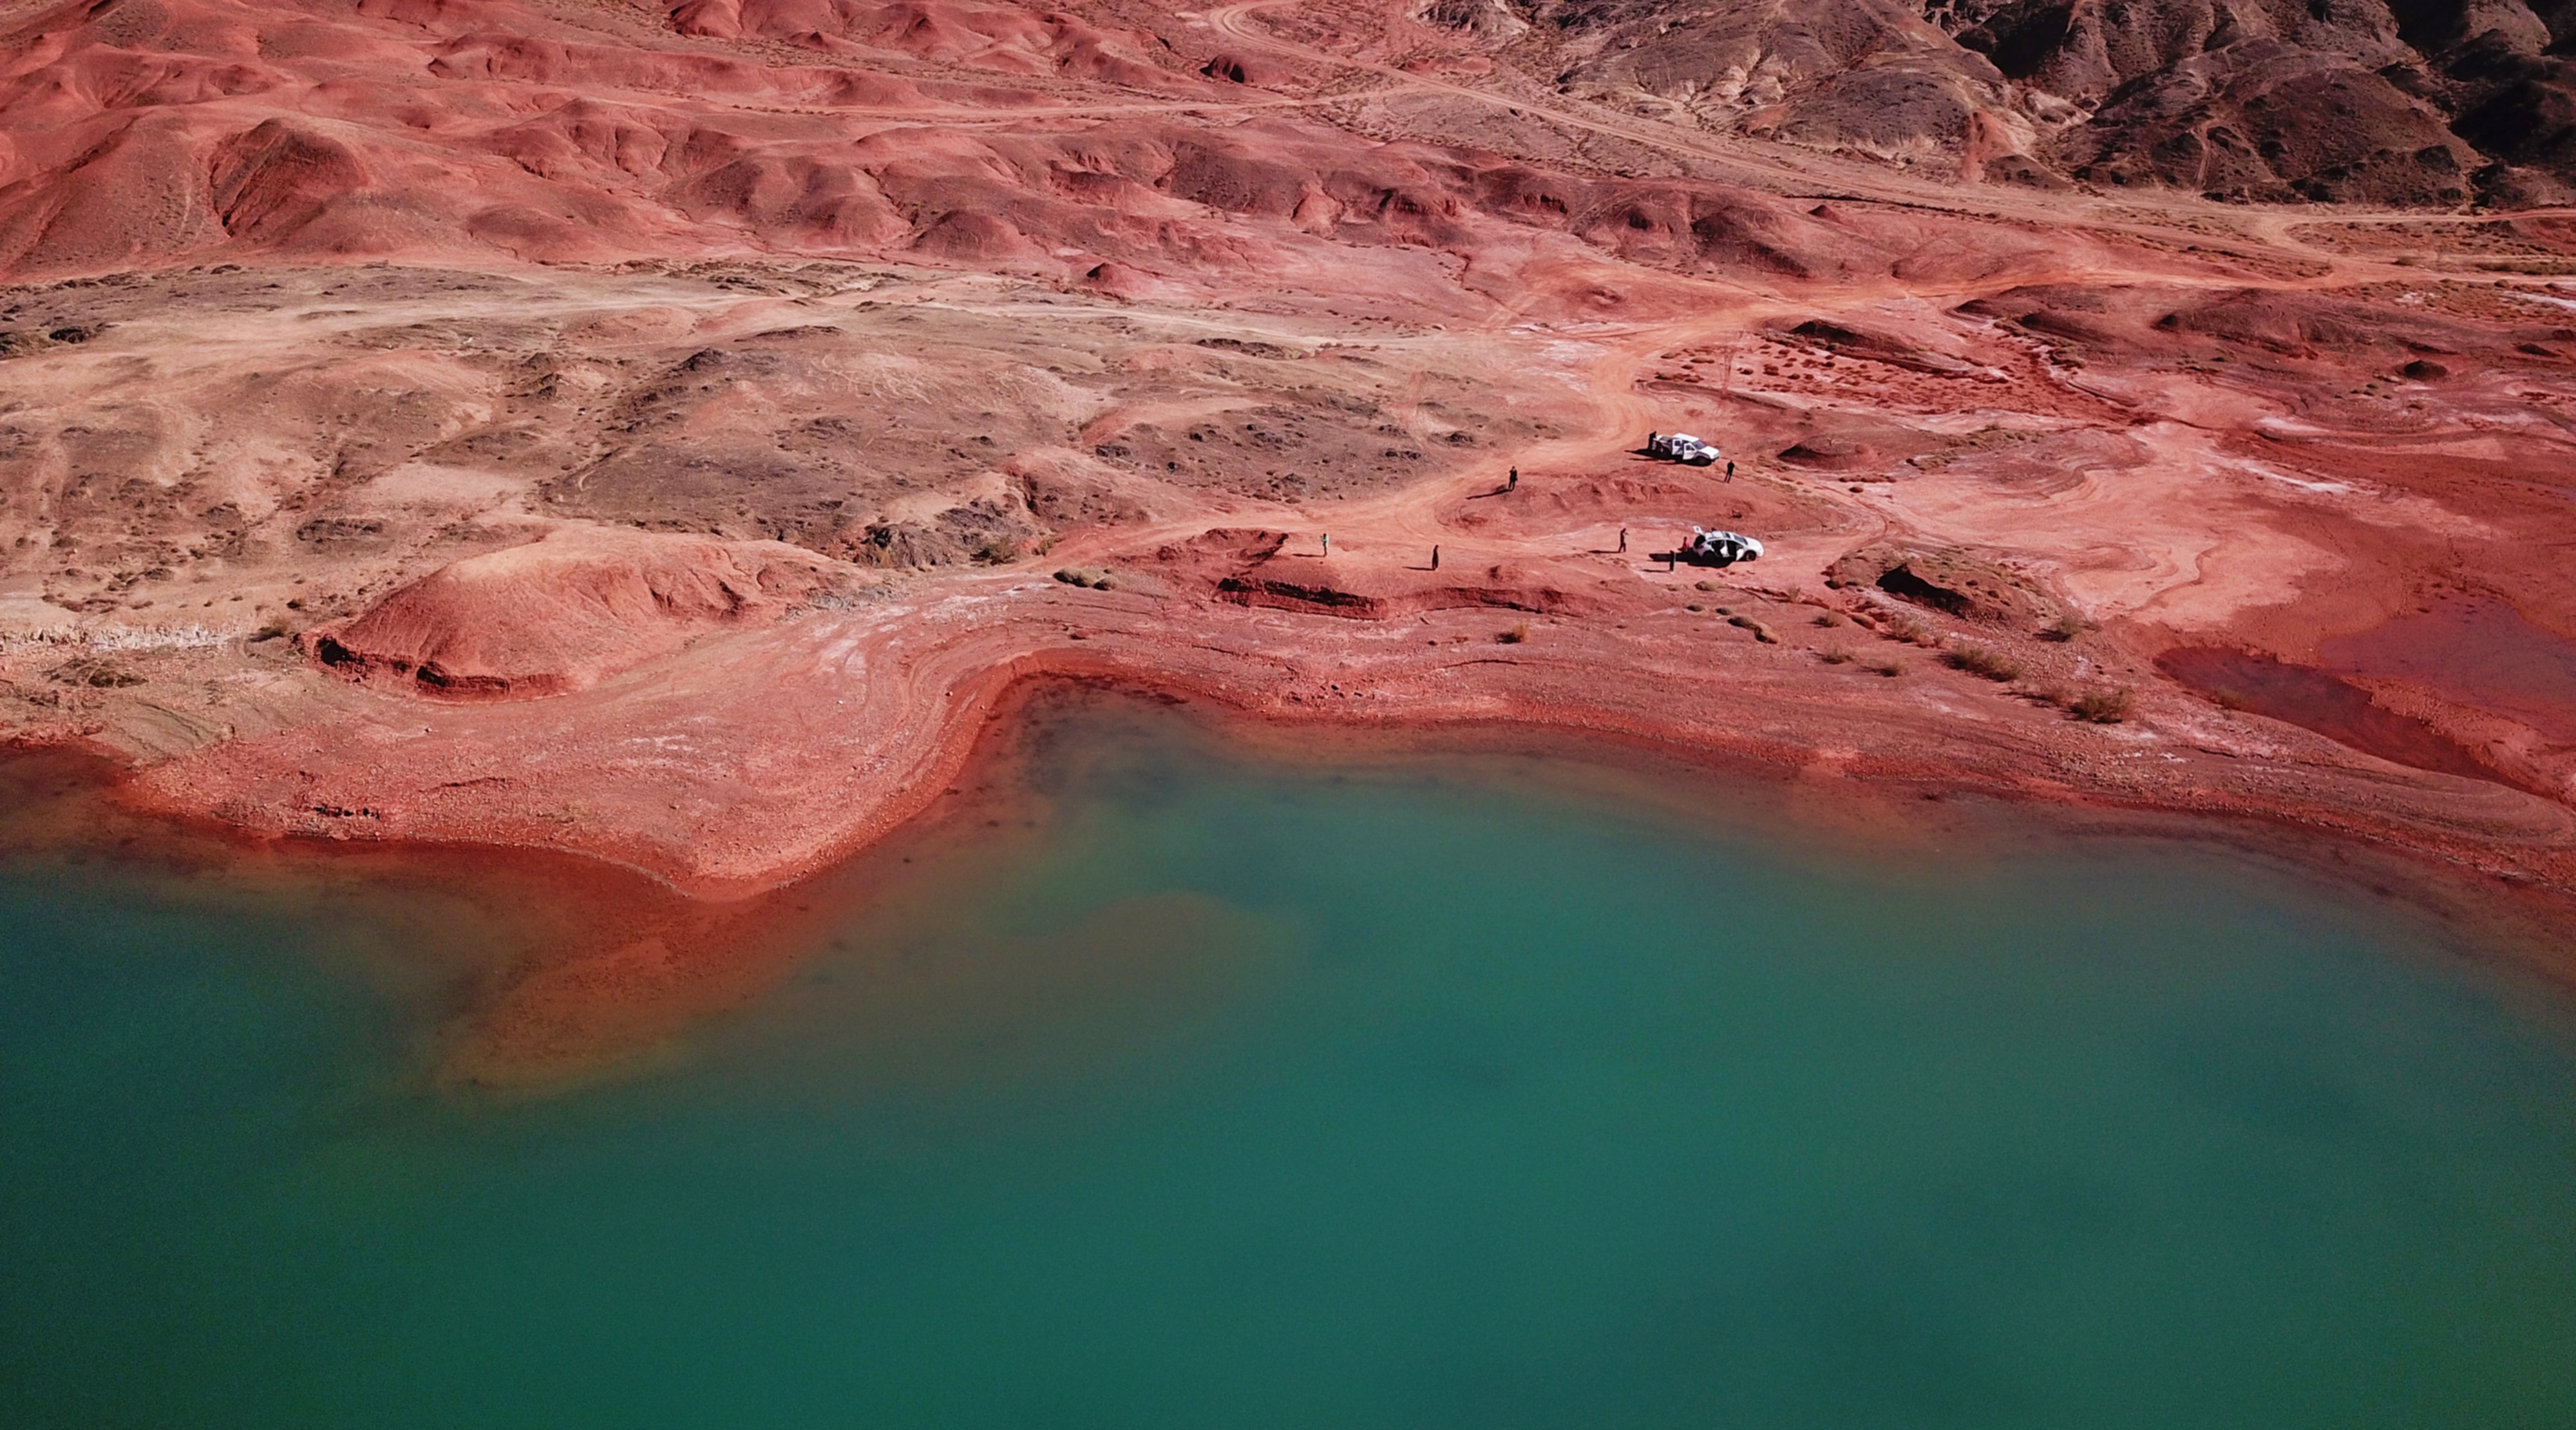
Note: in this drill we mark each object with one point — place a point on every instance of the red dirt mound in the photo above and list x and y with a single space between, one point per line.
990 37
566 612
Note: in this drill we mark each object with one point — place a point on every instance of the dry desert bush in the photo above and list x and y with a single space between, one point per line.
1982 660
2103 707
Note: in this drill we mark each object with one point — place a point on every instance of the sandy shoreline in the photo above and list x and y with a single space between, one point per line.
1698 687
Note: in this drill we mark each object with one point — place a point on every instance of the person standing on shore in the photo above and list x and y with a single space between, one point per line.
1623 541
1515 483
1435 558
1328 543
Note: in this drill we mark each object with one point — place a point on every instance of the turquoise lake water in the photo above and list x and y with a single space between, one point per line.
1245 1095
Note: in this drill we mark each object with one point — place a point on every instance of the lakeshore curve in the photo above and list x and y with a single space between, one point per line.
761 757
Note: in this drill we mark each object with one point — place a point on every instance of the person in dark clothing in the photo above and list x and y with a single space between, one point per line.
1515 483
1730 471
1623 539
1435 558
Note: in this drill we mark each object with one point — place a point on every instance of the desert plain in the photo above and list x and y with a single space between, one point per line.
671 435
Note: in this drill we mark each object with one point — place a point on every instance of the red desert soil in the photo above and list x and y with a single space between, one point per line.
668 434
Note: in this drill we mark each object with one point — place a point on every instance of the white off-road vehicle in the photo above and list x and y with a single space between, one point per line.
1718 548
1683 448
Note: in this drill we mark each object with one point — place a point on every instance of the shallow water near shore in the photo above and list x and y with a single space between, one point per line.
1237 1093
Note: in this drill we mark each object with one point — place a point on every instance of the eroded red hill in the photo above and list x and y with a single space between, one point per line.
566 612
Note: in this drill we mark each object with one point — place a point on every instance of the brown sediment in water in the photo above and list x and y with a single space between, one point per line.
535 970
530 968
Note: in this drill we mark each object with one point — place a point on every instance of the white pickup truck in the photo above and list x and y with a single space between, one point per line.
1683 448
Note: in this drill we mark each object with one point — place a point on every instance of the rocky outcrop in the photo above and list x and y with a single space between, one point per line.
1376 597
1953 582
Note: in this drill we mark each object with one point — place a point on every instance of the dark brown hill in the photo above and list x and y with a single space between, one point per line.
2398 102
